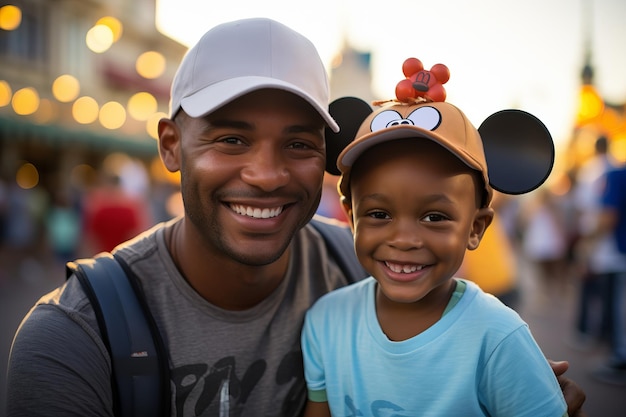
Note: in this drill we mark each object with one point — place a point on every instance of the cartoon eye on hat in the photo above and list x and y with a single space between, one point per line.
518 148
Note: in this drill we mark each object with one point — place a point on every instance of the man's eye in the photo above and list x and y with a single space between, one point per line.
231 140
299 145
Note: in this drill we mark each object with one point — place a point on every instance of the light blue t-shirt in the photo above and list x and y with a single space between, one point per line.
479 359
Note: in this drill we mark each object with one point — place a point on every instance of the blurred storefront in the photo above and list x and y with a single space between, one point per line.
80 80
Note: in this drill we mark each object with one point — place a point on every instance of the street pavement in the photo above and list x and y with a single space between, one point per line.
550 320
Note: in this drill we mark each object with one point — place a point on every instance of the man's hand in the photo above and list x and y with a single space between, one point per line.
574 395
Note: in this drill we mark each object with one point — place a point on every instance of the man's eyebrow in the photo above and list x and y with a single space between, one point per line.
226 123
241 125
313 129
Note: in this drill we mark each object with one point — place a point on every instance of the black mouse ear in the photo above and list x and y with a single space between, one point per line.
349 113
519 151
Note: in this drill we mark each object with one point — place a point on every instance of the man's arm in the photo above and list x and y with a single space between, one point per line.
574 395
315 409
56 367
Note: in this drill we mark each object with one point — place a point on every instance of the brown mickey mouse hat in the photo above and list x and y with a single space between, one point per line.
512 149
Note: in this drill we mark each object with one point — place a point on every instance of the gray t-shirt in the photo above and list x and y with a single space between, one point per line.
248 362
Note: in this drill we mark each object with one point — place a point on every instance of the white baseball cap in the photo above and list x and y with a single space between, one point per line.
236 58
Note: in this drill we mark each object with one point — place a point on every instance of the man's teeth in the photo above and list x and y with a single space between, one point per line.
406 269
257 213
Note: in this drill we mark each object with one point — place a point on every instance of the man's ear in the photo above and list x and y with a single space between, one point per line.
347 208
169 144
482 220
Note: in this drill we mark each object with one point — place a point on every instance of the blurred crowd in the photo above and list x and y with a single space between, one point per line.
87 215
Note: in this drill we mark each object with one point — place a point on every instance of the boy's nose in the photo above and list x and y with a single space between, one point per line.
405 236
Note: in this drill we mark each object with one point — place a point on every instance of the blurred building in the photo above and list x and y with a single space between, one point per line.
595 117
79 80
351 75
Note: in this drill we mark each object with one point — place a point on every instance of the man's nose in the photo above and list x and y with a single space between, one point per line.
267 170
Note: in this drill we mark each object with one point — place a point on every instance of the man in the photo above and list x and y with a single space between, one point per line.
228 283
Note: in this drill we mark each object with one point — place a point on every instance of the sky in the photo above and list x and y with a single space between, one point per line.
501 53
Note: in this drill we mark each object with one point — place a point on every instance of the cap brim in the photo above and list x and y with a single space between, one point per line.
219 94
354 150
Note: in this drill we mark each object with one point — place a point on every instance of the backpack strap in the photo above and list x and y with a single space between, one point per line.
340 244
140 370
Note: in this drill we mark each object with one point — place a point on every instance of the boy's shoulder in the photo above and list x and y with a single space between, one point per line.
488 308
347 297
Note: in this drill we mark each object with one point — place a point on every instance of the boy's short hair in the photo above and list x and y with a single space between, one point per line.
440 122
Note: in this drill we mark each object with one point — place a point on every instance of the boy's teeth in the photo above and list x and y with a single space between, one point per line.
405 269
256 212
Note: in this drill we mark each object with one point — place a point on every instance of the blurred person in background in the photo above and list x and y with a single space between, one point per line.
24 222
111 214
63 224
545 241
612 219
597 253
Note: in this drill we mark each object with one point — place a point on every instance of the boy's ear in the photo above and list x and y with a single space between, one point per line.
169 144
349 113
519 151
347 209
482 220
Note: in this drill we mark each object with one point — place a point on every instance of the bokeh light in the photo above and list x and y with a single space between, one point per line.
82 176
65 88
142 105
27 176
25 101
590 104
46 112
112 115
5 93
99 38
85 110
150 64
152 125
112 23
10 17
160 173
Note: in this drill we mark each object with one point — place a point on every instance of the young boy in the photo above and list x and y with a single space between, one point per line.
413 340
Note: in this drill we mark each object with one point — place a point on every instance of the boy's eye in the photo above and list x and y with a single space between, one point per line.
378 215
434 217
